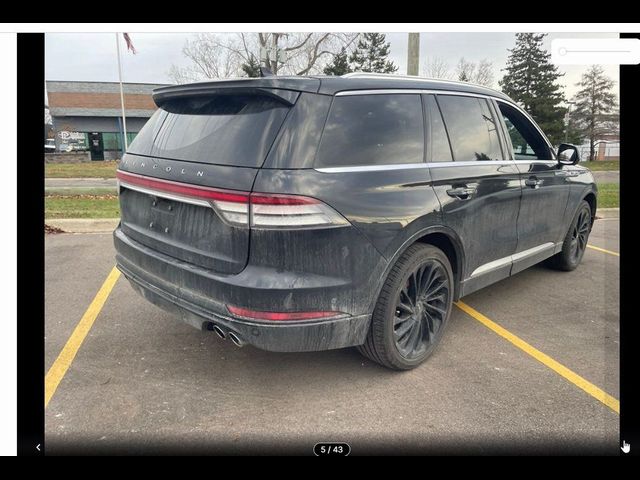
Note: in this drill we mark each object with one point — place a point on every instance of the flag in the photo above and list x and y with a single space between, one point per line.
130 46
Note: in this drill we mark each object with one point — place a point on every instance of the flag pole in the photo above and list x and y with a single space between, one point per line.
124 120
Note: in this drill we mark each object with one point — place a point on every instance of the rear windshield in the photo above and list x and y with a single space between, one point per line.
224 130
143 142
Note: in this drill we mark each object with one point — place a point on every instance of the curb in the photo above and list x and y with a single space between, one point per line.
84 225
608 213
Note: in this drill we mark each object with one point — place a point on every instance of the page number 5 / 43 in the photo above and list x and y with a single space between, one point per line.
331 449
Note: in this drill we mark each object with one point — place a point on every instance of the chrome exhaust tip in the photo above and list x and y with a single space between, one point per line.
219 332
237 341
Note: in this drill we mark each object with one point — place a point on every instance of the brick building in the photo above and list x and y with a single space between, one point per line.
87 115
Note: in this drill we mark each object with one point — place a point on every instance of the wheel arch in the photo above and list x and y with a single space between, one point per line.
592 200
443 237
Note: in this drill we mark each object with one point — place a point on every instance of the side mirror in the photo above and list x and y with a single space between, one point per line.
568 154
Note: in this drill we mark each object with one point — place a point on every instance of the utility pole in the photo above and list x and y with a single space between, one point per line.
413 54
274 47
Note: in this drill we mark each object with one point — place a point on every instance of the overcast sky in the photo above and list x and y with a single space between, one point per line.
92 56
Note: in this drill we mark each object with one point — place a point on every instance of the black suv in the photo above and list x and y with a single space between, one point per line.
311 213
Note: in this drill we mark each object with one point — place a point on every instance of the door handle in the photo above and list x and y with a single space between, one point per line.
532 182
463 193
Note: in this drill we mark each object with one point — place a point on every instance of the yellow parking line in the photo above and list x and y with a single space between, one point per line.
603 250
577 380
68 353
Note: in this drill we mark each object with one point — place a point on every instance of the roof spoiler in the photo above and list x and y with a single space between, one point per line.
286 97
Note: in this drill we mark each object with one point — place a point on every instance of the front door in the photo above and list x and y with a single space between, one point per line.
478 187
544 191
96 146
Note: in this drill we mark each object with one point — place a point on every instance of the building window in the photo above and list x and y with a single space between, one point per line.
113 141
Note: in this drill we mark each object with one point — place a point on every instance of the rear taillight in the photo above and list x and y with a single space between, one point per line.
281 316
292 211
260 210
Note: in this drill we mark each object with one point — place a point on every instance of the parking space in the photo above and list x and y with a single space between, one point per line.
143 380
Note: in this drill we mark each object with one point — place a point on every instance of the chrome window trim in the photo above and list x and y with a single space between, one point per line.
469 163
509 260
410 166
167 195
528 162
372 168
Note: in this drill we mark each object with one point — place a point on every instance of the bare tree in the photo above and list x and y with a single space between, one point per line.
208 59
221 56
480 73
465 71
437 67
484 73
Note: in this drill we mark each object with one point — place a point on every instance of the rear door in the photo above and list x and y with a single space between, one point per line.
195 147
478 187
544 189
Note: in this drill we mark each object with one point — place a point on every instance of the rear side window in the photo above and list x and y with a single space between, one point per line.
373 130
223 129
438 141
472 128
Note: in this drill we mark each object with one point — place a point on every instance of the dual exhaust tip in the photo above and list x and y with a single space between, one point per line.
237 341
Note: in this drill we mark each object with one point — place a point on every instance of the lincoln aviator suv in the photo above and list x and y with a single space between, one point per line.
311 213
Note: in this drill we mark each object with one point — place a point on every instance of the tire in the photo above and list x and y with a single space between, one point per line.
397 338
575 242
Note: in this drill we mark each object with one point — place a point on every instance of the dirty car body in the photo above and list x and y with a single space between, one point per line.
273 209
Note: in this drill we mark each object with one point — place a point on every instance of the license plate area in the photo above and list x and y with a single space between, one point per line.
190 233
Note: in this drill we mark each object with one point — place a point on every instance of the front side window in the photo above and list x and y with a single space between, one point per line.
527 143
373 130
472 129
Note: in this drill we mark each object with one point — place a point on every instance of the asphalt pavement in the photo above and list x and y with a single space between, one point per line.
144 382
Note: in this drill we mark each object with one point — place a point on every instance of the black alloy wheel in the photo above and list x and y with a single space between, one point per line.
421 309
412 310
575 241
580 234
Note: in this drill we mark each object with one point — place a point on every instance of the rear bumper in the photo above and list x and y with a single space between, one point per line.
199 297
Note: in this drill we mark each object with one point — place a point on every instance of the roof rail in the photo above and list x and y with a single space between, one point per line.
374 74
414 78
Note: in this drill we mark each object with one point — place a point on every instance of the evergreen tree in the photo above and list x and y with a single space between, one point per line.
371 55
251 68
595 103
574 133
531 80
339 65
